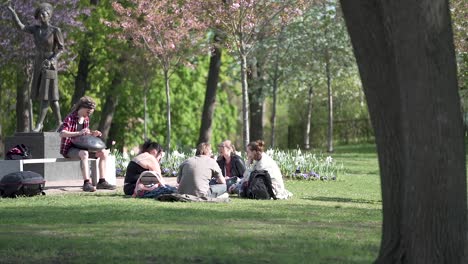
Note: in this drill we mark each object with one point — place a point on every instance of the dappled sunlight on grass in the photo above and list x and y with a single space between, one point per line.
333 221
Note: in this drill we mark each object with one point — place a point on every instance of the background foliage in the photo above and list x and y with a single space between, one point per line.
299 50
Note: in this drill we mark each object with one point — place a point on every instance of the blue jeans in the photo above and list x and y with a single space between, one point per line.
217 190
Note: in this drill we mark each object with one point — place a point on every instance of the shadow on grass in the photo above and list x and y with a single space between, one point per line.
114 229
356 149
342 200
118 208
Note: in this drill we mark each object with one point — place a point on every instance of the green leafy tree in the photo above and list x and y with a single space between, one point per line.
169 30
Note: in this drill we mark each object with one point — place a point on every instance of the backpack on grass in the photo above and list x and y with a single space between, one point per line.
22 183
259 186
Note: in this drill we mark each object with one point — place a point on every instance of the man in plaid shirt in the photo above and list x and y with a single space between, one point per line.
77 124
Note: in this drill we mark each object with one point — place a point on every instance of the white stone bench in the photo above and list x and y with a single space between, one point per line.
66 168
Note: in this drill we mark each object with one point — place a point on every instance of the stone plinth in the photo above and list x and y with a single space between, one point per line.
42 145
46 145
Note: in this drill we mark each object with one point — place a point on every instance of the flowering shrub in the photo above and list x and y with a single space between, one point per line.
121 162
300 165
171 161
295 164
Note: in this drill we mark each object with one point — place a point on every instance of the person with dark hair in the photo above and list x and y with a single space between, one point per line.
232 165
77 124
259 160
148 159
201 175
49 45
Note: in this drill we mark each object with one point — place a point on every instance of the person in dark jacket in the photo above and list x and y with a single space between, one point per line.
232 165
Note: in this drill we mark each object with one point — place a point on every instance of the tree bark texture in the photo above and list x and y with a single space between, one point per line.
210 96
110 106
168 108
256 100
245 100
2 112
330 104
81 79
309 118
22 100
406 59
274 107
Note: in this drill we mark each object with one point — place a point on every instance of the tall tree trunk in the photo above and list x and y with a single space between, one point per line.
274 106
22 100
309 118
81 80
210 95
256 100
110 106
330 104
145 105
405 54
2 112
168 108
245 99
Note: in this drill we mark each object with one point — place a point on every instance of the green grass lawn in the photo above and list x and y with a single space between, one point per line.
325 222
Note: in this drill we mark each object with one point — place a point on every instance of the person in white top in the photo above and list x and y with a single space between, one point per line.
259 160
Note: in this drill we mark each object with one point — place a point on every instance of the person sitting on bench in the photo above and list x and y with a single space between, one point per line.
77 124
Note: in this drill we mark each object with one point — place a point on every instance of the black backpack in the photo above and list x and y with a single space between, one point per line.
18 152
22 183
259 186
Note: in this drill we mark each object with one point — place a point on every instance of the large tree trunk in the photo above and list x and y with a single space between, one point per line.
309 118
110 106
330 104
256 100
168 108
210 96
3 112
22 101
274 106
245 100
81 80
406 59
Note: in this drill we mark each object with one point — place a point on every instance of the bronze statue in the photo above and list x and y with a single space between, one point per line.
49 44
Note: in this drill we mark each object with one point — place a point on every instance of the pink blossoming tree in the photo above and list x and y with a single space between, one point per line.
169 30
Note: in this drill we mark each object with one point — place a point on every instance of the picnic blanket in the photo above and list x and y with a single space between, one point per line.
177 197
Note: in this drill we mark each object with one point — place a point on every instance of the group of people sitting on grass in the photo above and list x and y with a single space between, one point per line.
200 176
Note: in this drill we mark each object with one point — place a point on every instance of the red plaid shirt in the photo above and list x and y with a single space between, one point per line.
70 124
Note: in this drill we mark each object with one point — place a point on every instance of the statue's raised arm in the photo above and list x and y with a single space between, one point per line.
49 43
15 16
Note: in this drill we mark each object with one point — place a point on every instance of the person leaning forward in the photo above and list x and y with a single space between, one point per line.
77 124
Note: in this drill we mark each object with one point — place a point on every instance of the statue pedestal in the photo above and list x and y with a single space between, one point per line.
42 145
45 145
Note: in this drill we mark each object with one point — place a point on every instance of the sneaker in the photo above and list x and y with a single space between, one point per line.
88 187
105 185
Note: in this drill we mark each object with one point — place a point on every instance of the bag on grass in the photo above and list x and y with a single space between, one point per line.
22 183
18 152
258 187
